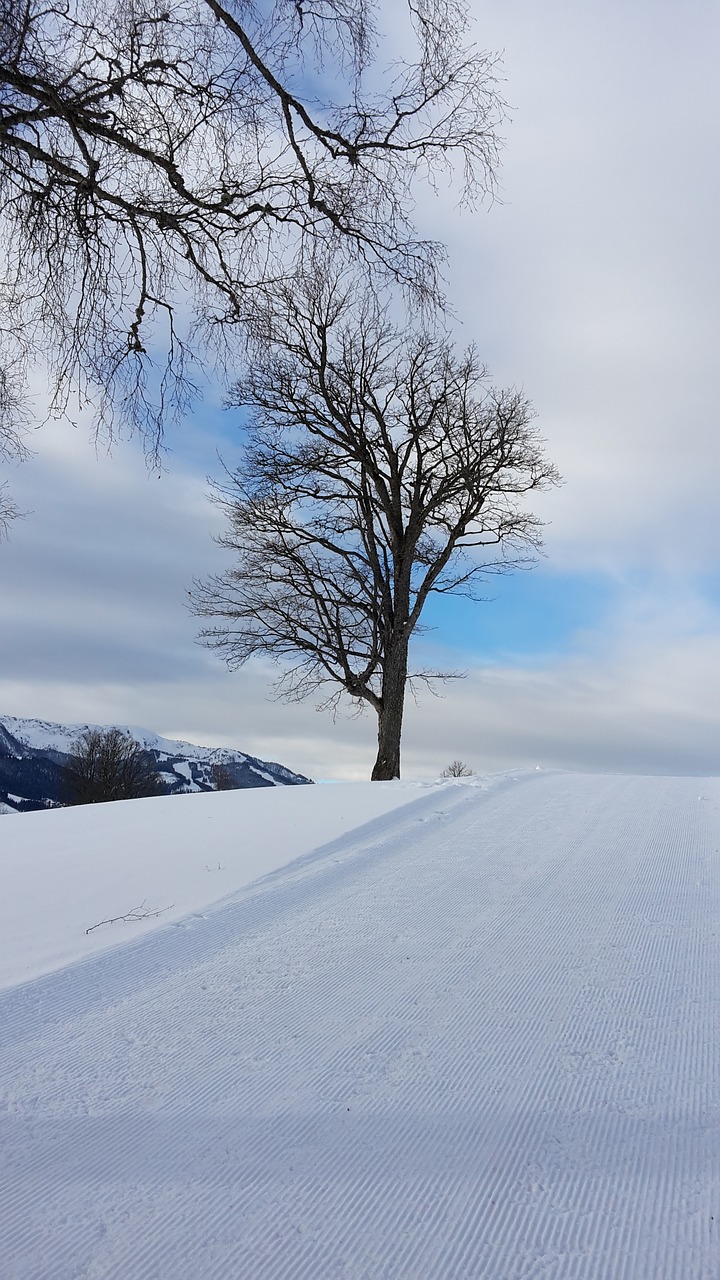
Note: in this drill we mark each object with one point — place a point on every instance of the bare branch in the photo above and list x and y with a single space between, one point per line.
8 511
158 163
132 916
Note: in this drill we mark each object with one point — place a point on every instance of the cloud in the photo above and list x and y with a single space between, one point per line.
95 576
594 285
641 709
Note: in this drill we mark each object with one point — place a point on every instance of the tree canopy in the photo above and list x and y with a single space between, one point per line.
158 162
109 764
380 467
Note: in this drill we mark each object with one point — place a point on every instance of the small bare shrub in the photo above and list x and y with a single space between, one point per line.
458 769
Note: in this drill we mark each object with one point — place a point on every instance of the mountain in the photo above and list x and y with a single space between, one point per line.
35 753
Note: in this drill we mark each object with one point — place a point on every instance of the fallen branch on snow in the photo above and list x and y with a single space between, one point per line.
137 913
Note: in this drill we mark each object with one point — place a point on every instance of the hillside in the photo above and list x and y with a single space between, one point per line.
34 755
475 1037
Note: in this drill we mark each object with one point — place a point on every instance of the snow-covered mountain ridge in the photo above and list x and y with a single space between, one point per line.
34 755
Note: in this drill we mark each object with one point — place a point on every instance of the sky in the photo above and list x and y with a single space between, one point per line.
592 282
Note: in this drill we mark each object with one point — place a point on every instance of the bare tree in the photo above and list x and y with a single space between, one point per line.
109 764
158 161
223 779
457 769
381 467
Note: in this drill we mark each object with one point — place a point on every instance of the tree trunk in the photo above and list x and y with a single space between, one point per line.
390 714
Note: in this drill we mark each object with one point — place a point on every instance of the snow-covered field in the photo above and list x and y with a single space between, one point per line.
66 870
475 1037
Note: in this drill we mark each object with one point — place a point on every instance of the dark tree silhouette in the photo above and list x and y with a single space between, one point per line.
108 764
159 161
381 467
457 769
223 779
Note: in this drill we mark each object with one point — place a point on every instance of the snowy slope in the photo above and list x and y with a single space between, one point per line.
478 1039
66 870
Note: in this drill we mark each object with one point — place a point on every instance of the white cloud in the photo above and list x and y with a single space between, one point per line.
595 285
644 698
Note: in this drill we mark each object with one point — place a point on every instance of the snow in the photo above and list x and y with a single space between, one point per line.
66 870
184 770
471 1030
45 735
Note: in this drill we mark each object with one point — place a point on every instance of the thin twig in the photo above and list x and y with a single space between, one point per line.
136 913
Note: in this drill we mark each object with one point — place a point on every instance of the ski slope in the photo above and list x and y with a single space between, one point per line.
476 1038
64 871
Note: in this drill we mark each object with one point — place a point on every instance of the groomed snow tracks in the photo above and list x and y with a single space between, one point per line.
478 1040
